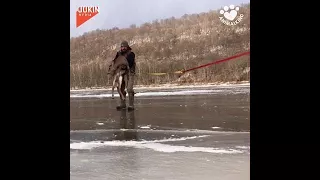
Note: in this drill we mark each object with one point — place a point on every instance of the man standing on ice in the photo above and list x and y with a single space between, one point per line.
126 51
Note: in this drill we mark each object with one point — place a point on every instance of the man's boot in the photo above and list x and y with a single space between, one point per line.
131 101
122 105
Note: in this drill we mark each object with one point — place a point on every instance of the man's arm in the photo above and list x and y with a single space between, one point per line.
132 62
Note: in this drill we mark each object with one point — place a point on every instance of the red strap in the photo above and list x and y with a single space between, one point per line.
219 61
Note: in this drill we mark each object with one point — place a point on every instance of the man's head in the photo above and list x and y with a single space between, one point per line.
124 46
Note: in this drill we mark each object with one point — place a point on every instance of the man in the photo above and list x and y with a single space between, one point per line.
130 56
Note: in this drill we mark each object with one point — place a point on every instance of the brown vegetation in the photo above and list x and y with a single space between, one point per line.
166 46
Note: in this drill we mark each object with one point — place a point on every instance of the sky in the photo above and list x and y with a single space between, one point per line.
123 13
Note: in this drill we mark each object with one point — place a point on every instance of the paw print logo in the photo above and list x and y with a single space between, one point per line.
230 15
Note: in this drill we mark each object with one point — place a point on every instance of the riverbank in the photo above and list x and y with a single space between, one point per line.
169 86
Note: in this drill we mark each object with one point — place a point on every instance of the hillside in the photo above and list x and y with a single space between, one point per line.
166 45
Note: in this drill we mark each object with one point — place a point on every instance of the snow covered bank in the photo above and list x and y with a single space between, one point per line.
172 86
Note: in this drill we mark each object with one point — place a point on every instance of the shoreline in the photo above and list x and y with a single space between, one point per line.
168 86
